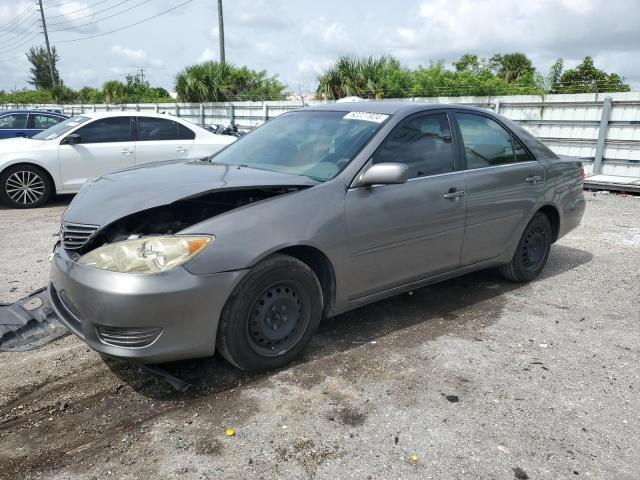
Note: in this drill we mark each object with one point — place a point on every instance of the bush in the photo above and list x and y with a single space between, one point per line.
216 82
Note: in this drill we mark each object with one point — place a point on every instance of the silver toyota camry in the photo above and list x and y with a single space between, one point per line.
317 212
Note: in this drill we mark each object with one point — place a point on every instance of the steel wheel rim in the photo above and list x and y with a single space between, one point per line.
534 248
24 187
278 318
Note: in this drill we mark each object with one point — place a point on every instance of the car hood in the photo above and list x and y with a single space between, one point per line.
110 197
19 144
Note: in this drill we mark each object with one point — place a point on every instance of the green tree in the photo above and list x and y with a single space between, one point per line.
215 82
40 72
586 78
114 91
367 77
512 66
90 95
555 75
467 63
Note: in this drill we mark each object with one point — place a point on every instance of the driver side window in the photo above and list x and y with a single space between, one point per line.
423 142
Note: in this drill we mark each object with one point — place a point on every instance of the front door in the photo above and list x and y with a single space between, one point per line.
503 184
398 234
105 145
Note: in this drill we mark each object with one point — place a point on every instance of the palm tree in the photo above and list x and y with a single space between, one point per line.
114 92
217 82
368 77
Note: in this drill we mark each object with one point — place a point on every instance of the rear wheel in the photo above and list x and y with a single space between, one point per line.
271 315
532 252
25 186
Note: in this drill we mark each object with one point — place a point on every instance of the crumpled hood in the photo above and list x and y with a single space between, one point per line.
19 144
110 197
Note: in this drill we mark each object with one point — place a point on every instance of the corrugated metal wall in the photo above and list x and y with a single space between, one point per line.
568 124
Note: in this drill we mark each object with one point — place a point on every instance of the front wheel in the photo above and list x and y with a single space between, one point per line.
25 186
271 315
532 252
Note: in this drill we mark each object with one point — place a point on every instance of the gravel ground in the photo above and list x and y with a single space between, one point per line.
472 378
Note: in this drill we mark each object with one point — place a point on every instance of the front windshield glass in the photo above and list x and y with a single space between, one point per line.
316 144
60 129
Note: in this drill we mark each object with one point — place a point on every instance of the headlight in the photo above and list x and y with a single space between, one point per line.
146 255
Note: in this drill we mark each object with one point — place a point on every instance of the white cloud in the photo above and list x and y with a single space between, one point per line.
207 55
131 57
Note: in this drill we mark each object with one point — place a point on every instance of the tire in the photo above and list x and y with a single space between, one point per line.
532 252
25 186
271 315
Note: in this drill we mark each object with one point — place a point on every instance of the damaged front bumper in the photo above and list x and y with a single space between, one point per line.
143 318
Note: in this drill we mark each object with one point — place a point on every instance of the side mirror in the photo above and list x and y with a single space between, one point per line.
383 174
71 139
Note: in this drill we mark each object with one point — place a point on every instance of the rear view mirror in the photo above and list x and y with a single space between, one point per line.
71 139
383 174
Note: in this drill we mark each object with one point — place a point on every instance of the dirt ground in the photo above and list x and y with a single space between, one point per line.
473 378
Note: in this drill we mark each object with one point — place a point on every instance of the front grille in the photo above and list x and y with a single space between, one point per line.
75 236
128 337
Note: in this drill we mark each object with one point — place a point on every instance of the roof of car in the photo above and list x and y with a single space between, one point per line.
33 110
125 113
389 108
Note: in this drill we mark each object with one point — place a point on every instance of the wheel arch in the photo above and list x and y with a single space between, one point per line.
322 267
553 214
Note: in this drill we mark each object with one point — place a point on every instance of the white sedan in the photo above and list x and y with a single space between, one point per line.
62 158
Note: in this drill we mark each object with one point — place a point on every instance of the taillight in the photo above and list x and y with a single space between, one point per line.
582 175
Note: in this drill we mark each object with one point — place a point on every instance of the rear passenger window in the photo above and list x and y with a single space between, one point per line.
422 142
520 152
157 129
487 143
185 133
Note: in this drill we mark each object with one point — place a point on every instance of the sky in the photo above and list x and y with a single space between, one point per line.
296 39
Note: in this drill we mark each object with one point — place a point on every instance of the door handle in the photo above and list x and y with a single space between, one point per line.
454 194
21 134
533 179
181 149
126 151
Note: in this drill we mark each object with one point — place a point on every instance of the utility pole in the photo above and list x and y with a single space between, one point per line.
220 31
46 39
142 75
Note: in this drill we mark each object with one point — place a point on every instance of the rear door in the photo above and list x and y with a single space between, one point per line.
106 145
162 139
503 184
402 233
13 125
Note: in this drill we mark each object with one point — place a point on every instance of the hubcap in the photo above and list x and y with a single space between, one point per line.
534 248
278 319
25 187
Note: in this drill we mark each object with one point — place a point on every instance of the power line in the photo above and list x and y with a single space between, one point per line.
19 18
61 4
101 19
86 16
28 31
81 9
28 41
126 26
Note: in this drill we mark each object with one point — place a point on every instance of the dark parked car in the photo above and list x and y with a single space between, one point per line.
317 212
26 123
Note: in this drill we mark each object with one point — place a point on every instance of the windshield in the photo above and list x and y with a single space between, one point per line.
316 144
60 129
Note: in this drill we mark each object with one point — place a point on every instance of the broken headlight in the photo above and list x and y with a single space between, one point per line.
146 255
